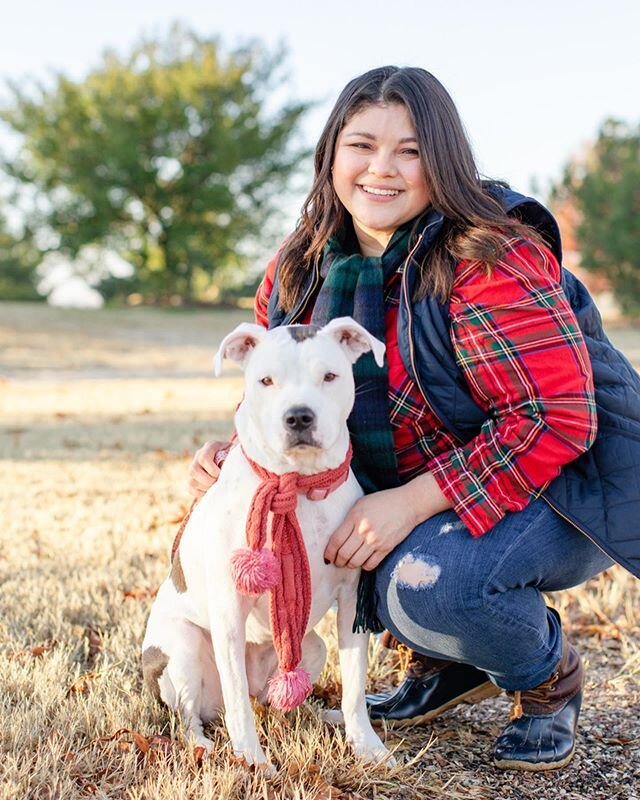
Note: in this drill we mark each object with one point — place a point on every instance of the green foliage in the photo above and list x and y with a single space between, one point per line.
18 259
606 190
171 156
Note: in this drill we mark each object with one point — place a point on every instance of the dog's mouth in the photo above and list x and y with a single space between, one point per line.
302 441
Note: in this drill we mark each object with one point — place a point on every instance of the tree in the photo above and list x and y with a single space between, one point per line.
605 187
172 156
18 260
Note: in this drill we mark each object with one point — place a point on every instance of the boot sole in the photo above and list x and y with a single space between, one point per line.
528 766
476 695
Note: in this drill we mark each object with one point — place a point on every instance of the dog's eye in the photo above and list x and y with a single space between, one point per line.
330 376
266 381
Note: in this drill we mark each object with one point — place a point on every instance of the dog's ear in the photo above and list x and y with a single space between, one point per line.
238 344
354 339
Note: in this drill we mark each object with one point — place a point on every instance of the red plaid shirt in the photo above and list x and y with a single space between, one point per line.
518 344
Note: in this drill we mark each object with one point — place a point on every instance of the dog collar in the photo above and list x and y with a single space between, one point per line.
322 492
314 487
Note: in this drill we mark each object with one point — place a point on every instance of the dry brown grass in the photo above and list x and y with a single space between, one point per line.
100 411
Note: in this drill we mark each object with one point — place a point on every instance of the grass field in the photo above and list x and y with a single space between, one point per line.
100 413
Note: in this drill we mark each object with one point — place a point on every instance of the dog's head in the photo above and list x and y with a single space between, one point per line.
299 390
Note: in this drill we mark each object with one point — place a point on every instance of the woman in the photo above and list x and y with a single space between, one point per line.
462 442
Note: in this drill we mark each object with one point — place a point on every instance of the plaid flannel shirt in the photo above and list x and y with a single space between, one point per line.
519 346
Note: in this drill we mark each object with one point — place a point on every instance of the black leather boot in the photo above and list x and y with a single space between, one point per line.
430 687
542 731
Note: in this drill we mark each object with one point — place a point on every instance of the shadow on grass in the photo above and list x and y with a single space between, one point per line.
85 438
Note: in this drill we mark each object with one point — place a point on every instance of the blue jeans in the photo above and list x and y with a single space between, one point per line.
479 601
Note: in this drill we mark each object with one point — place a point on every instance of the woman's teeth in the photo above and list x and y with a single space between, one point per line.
383 192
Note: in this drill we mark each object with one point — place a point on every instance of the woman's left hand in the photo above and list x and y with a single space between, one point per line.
379 522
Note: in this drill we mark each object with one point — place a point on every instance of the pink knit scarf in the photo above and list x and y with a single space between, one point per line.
277 561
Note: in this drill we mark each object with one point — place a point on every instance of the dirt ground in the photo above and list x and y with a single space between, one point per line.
100 413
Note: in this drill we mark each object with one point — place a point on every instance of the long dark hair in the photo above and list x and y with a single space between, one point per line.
477 226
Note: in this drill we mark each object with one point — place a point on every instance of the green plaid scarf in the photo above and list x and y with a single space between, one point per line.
354 286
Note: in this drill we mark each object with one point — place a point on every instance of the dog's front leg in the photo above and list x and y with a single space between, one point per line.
353 649
228 613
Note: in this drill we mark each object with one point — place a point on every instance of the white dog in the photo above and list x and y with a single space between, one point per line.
212 639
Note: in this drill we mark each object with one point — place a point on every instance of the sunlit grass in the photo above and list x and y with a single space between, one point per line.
92 475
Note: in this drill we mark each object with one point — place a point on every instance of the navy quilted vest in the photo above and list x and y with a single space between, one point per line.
599 492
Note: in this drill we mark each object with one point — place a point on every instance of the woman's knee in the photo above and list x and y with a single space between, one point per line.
420 594
413 604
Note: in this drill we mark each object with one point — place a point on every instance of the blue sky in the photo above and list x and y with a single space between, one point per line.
532 81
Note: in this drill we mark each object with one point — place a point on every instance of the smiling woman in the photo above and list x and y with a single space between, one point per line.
378 175
483 449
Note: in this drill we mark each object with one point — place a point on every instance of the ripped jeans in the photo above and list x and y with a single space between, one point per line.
479 601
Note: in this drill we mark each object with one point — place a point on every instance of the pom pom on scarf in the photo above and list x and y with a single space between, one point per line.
254 571
287 690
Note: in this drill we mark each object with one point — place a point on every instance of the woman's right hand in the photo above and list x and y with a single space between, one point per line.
204 471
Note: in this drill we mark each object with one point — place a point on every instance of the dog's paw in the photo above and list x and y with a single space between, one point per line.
265 767
371 750
378 756
255 758
202 741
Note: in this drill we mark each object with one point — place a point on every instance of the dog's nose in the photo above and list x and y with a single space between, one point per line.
299 418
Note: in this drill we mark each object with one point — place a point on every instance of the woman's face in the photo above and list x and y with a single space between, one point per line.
378 175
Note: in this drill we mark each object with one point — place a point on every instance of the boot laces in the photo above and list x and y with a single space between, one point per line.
539 694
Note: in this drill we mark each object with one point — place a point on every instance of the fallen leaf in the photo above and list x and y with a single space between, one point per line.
179 515
330 693
260 710
620 740
161 745
83 684
327 791
109 738
159 740
140 594
153 747
142 743
602 631
199 755
32 652
95 642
